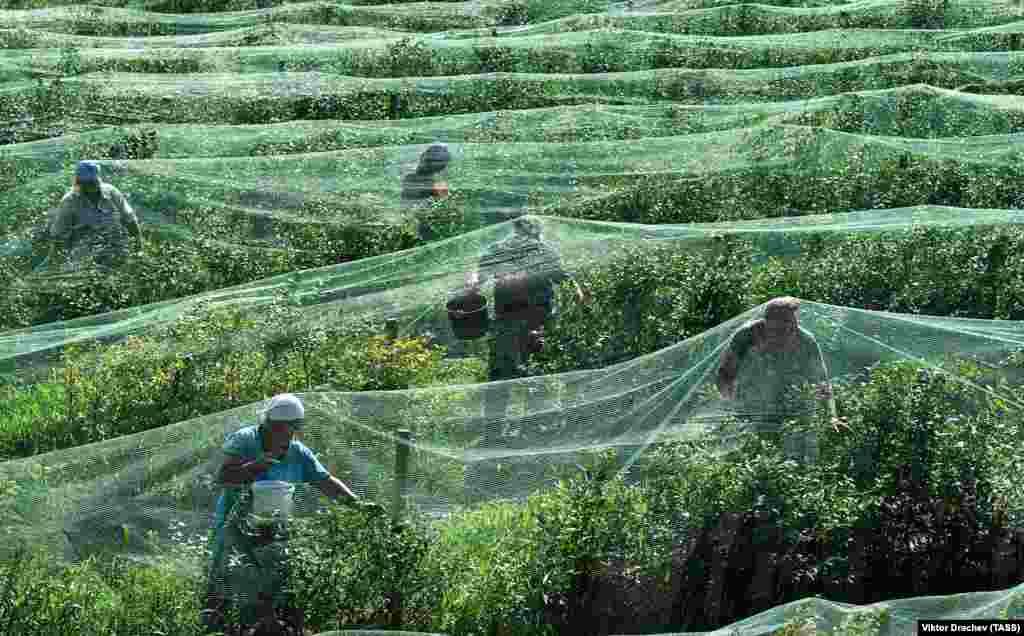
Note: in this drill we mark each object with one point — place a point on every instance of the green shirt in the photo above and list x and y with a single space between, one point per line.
767 382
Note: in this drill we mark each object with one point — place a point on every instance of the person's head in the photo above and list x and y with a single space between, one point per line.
782 318
434 160
527 227
87 177
283 418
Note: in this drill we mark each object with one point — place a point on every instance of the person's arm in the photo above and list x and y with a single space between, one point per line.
336 490
823 386
439 190
728 366
130 220
562 274
727 369
59 229
475 278
581 294
332 487
239 471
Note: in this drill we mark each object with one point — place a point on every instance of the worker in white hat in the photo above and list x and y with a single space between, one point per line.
268 451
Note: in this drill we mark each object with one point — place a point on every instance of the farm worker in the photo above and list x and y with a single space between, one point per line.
262 452
763 363
427 183
525 269
94 219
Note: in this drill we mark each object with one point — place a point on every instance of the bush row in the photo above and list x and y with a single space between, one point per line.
647 299
742 19
368 99
603 53
601 547
227 249
644 300
863 178
222 252
224 359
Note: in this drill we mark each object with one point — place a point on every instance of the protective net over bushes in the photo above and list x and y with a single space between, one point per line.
476 442
660 317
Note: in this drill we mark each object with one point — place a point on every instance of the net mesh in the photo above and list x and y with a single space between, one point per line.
566 323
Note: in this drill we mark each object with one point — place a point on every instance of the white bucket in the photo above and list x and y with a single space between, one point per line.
270 496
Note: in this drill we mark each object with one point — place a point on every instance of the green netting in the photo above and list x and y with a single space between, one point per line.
269 97
244 36
615 50
685 162
159 481
707 18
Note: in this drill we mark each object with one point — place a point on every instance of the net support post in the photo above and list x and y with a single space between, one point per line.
398 510
401 474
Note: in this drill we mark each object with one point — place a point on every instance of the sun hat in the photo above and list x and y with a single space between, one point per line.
88 171
284 408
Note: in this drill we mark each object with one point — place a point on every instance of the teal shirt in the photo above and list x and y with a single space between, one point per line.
298 465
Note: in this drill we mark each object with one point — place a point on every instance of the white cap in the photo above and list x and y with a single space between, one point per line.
284 408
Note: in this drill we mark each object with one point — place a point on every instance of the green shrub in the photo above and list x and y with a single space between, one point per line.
643 300
179 62
587 519
95 597
345 567
534 566
20 38
226 366
208 6
941 423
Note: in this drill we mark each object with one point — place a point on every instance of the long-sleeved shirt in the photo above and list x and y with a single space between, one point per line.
766 380
419 189
525 271
98 226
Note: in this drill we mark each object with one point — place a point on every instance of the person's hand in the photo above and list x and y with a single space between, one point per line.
839 424
584 296
267 460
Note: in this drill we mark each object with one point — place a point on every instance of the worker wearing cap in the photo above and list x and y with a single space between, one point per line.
427 183
94 219
262 452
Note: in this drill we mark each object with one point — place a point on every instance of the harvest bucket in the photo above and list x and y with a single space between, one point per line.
268 496
468 315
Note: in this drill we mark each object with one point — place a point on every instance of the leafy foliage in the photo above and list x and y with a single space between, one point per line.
235 358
